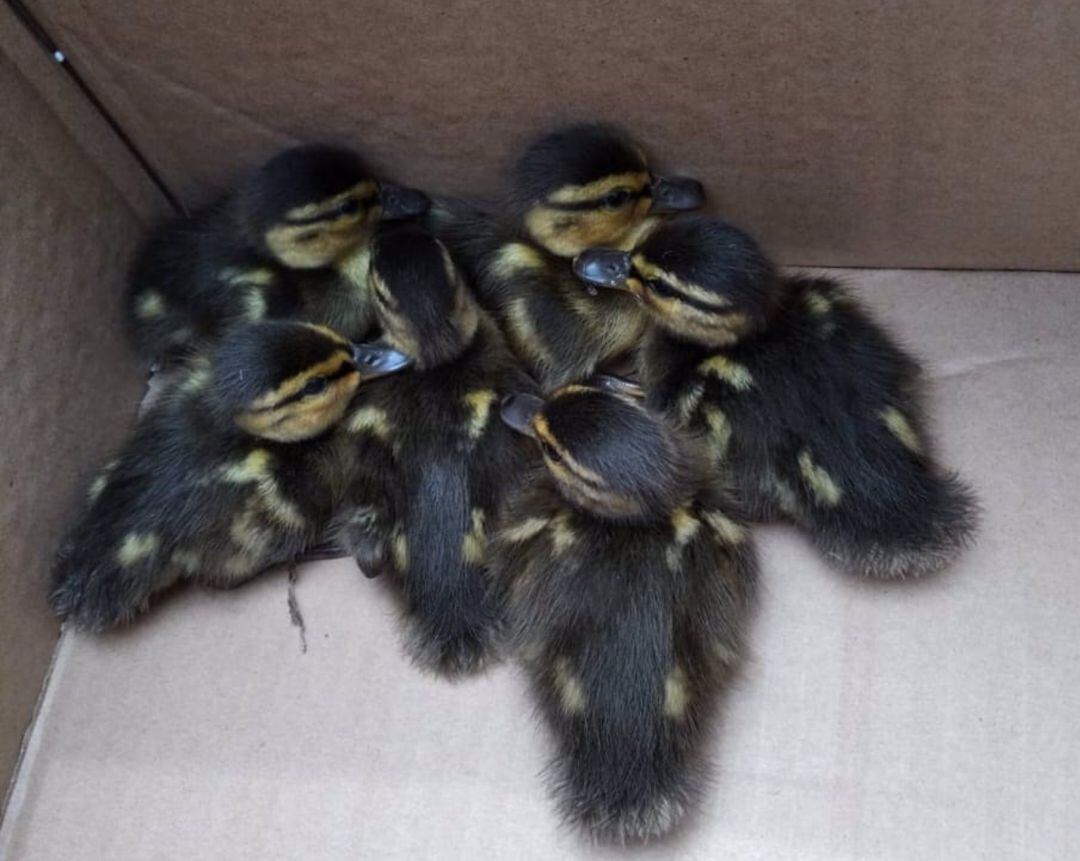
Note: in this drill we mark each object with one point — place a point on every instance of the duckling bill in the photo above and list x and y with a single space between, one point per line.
572 189
626 577
809 403
291 240
239 466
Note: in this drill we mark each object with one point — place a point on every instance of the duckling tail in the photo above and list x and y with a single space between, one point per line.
937 532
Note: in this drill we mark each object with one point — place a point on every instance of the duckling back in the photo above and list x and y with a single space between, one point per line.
628 627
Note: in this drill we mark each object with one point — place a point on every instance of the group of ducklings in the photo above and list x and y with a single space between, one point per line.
351 368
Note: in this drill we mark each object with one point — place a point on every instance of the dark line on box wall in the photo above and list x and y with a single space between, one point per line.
40 35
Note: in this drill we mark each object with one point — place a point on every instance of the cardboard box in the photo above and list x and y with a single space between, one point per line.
907 720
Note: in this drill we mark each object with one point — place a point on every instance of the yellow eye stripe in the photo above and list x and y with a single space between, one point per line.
583 473
325 368
650 271
634 181
364 192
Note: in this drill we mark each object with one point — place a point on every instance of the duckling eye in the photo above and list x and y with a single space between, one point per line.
617 198
315 386
660 287
550 452
307 236
351 206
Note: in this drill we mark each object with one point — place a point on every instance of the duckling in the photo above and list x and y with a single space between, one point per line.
236 468
454 461
574 188
627 575
810 403
290 241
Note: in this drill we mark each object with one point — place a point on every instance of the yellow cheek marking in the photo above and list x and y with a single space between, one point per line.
633 180
719 431
474 546
820 482
901 428
676 693
399 549
479 404
516 258
363 191
371 420
562 533
261 277
528 528
356 266
150 304
735 375
571 691
187 561
724 528
136 547
636 235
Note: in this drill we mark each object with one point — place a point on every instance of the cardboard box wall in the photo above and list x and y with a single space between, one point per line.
940 136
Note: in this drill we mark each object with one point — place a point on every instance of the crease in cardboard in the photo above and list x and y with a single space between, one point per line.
18 787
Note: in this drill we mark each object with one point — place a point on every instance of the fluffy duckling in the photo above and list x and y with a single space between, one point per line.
810 403
292 240
572 189
454 460
234 469
627 576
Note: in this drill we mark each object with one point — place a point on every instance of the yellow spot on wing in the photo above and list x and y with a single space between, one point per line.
724 528
689 401
825 490
676 693
150 304
135 547
735 375
474 546
254 305
516 258
525 530
562 533
400 551
260 277
371 420
719 431
817 303
571 691
901 428
186 560
686 526
479 403
255 469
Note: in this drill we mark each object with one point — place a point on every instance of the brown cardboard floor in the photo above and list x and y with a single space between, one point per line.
919 720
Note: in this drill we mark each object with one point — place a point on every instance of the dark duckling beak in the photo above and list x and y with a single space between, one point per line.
603 267
378 360
676 194
399 201
618 385
518 409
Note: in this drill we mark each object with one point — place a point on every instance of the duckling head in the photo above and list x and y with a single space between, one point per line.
422 303
589 185
312 205
288 381
607 454
699 278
